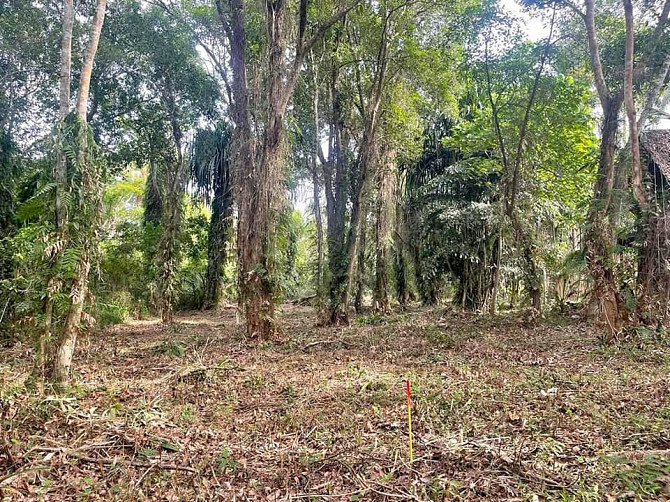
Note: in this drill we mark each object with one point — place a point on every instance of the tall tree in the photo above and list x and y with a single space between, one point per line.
258 157
158 54
316 185
599 235
386 176
172 213
210 164
611 92
369 109
513 171
88 204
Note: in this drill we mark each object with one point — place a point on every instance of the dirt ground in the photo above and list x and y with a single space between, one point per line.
501 411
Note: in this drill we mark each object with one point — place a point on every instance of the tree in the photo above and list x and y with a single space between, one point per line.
452 194
316 182
159 54
258 158
609 83
457 186
210 170
386 174
88 185
371 80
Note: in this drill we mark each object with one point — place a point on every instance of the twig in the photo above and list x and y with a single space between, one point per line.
139 481
61 449
7 478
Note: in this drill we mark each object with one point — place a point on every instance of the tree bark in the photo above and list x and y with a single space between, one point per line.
599 237
60 174
66 58
167 245
172 211
219 228
385 224
629 100
153 195
634 139
361 271
341 283
87 67
399 244
256 211
493 305
91 200
318 220
64 105
68 339
258 178
336 181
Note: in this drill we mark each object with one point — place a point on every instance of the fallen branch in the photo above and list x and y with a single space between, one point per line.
325 342
184 373
117 461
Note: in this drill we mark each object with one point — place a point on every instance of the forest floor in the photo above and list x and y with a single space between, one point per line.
502 411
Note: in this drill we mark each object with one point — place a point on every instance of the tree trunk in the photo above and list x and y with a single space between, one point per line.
167 245
336 185
318 221
638 179
629 100
66 57
493 306
318 279
599 234
385 224
599 238
154 196
399 239
258 179
252 298
532 280
60 174
255 232
219 228
87 67
254 239
341 283
68 338
172 212
89 204
64 103
360 265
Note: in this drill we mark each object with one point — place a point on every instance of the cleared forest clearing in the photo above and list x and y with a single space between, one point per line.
502 411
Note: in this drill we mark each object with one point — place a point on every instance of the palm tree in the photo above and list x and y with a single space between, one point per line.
211 177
